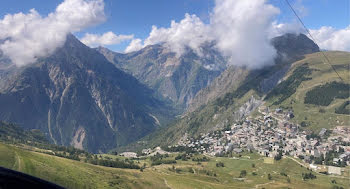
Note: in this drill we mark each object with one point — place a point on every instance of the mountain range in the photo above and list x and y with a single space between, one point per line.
98 100
77 97
175 78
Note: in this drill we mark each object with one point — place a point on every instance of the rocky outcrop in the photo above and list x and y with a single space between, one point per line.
292 47
229 80
247 108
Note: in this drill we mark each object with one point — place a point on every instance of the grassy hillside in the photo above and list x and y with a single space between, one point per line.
184 174
317 94
308 76
73 174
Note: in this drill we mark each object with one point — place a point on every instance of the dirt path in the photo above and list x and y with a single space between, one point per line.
296 161
303 88
166 183
259 185
335 104
18 163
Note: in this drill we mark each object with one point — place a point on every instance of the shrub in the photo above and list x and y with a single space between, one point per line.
220 164
203 159
321 110
269 176
114 163
303 124
159 162
182 157
243 173
307 176
278 156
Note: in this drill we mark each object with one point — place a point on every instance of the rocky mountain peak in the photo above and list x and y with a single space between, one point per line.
294 46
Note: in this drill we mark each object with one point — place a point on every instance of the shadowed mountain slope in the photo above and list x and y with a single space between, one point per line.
177 78
77 97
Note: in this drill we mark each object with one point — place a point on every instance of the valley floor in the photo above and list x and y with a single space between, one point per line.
285 173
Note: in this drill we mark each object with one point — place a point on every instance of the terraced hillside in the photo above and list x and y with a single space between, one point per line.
184 174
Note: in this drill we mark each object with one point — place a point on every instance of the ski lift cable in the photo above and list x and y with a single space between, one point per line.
308 31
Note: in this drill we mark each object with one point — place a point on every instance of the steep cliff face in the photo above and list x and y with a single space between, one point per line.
175 78
228 80
77 97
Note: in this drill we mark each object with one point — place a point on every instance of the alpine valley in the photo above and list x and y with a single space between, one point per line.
153 119
181 94
98 100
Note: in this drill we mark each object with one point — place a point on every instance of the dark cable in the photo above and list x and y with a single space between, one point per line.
307 30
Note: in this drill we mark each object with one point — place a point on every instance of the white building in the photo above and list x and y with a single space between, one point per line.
334 170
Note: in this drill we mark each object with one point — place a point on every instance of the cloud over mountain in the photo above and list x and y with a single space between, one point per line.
189 32
135 45
108 38
241 29
29 36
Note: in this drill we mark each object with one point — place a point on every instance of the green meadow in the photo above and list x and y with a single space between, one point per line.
285 173
317 117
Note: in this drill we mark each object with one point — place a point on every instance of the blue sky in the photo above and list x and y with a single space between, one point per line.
137 16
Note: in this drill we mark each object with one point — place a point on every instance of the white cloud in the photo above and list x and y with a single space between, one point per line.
28 36
189 32
299 7
241 29
330 38
108 38
279 29
135 45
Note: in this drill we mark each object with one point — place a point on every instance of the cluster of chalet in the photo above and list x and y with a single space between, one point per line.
271 134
